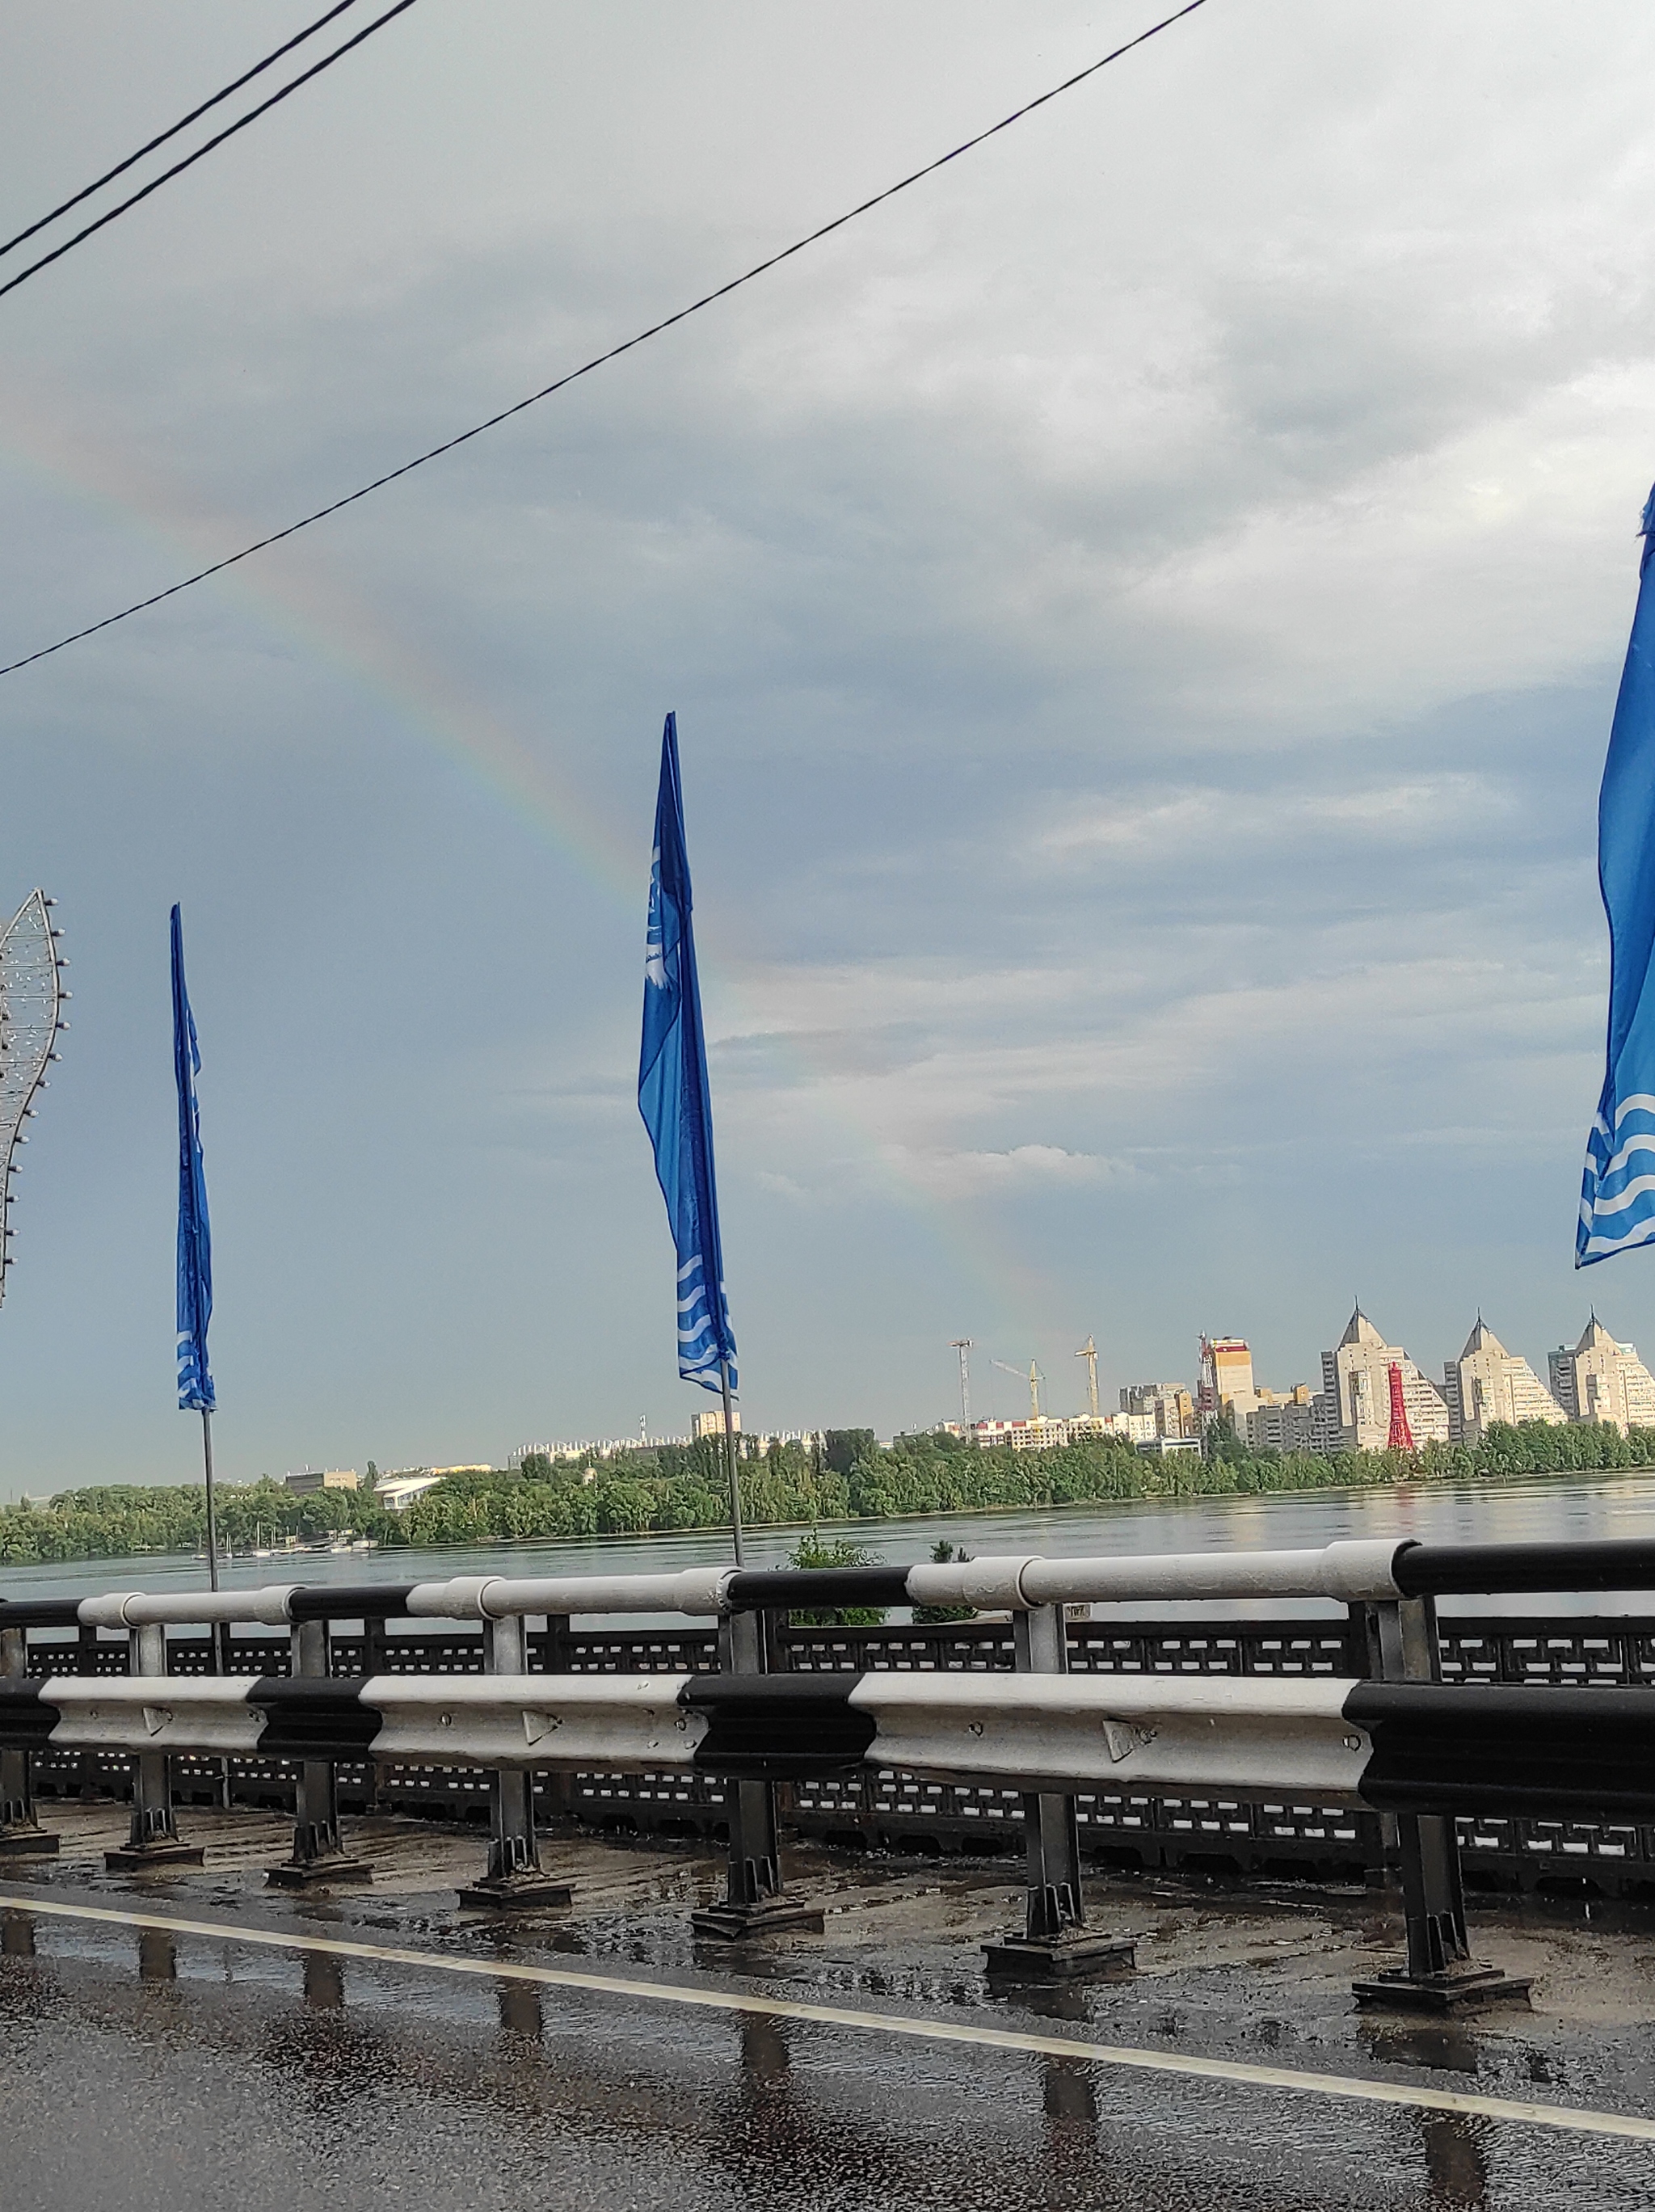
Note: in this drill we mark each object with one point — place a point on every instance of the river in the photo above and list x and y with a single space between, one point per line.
1560 1508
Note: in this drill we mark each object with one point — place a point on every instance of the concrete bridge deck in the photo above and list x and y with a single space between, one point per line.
203 2042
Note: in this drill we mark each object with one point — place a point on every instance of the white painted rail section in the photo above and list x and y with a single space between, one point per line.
534 1720
1347 1569
268 1606
1233 1734
146 1713
492 1597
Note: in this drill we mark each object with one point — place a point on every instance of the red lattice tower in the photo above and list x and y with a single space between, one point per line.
1401 1437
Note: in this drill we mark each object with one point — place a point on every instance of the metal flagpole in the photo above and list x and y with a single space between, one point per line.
217 1630
733 1463
212 1515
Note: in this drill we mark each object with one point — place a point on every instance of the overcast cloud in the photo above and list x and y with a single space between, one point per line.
1143 612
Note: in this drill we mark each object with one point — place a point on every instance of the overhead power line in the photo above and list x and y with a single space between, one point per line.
183 124
598 360
190 160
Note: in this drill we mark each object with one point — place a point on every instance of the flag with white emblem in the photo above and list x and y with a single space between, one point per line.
195 1285
1617 1196
673 1094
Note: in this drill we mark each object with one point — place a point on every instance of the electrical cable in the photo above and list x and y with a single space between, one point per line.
183 124
190 160
598 360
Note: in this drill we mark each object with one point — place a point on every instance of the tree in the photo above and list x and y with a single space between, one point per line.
811 1552
842 1448
943 1554
1220 1441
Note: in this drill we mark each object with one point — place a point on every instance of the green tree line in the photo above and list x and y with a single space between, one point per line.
846 1478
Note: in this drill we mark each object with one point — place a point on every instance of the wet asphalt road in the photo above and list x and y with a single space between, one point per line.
189 2071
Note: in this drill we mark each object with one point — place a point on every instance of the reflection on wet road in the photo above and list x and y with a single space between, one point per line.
214 2072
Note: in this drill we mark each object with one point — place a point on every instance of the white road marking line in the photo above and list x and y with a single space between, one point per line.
1517 2112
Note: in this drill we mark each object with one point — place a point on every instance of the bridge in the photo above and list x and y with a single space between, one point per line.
1127 2037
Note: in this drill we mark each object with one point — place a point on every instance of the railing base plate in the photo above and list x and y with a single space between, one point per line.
1018 1959
28 1843
317 1874
140 1858
770 1916
515 1893
1454 1991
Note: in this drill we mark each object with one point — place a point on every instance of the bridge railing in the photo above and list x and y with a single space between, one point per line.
1389 1636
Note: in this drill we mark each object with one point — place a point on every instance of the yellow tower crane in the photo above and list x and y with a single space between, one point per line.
1034 1378
1089 1352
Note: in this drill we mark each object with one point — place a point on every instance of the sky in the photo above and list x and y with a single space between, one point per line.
1143 611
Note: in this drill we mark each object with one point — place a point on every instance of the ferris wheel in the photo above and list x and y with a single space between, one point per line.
31 1021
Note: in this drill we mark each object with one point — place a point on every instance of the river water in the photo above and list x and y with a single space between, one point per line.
1558 1508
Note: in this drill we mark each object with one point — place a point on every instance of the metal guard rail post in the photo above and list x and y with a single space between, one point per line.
515 1879
756 1901
1054 1943
21 1832
318 1856
1437 1972
153 1839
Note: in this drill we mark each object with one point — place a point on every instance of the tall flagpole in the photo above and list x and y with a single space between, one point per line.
212 1514
733 1463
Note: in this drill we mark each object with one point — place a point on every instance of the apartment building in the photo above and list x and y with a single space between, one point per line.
1601 1380
1356 1392
1486 1384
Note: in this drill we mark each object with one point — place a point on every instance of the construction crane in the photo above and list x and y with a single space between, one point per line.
1034 1378
963 1344
1089 1352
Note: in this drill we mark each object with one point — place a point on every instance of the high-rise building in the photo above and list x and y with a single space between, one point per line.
1226 1382
1168 1404
1603 1381
711 1424
1486 1384
1355 1395
1284 1425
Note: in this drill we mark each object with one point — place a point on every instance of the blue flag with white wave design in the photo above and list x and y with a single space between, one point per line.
1617 1196
195 1302
673 1095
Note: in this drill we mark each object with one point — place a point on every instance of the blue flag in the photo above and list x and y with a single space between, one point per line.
673 1096
1617 1196
195 1233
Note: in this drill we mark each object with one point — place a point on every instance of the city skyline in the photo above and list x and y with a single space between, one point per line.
1275 1399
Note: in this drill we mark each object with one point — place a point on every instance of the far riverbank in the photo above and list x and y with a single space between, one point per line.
1522 1510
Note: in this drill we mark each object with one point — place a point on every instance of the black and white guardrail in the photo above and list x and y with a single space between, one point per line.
1375 1569
1427 1747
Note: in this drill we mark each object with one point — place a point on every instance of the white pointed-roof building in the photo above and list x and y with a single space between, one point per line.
1486 1384
1355 1398
1603 1381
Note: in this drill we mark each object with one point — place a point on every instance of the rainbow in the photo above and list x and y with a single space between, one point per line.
311 607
